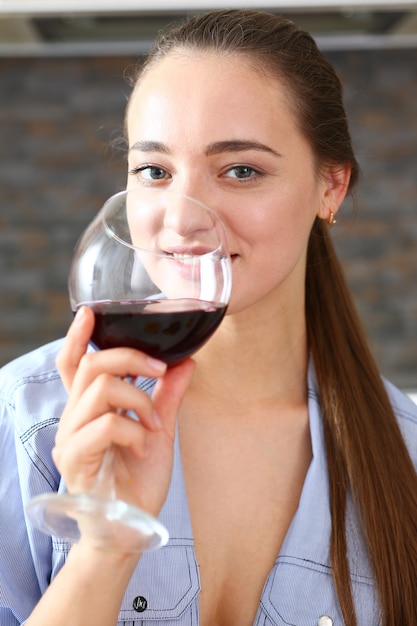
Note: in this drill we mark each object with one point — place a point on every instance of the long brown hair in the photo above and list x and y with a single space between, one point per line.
367 456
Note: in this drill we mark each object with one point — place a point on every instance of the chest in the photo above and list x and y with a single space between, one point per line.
299 589
243 490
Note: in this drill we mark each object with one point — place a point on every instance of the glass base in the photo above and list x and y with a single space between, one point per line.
111 524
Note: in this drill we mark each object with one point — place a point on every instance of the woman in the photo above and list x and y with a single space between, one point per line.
280 462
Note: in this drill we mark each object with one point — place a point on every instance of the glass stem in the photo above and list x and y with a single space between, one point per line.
104 487
105 484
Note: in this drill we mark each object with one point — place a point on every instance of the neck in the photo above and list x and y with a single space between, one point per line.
260 355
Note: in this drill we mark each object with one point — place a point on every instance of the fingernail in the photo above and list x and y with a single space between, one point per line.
79 315
157 366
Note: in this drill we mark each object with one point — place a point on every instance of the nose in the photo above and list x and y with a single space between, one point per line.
185 215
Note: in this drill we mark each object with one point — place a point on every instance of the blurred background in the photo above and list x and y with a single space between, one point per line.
63 89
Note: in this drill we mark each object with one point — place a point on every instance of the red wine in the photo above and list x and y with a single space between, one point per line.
169 330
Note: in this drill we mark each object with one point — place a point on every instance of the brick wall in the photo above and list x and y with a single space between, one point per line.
60 120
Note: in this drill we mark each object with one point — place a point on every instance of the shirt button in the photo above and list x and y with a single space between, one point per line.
140 604
325 620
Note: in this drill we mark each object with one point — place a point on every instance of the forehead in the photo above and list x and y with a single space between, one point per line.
211 88
179 60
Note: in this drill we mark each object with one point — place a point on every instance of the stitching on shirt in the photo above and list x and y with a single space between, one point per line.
42 469
45 377
36 460
9 396
306 563
326 569
270 617
39 426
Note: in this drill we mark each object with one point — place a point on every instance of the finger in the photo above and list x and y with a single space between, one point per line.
80 460
106 394
117 362
75 345
169 393
73 356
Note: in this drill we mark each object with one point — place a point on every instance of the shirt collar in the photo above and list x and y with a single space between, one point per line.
309 534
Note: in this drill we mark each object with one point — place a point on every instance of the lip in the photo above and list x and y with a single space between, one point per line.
182 263
183 252
187 263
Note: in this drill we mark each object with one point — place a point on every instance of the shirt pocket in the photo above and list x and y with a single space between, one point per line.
299 593
163 589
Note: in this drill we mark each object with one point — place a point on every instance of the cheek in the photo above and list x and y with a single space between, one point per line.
273 238
285 223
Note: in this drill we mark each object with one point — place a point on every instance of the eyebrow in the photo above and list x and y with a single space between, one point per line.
238 146
215 148
150 146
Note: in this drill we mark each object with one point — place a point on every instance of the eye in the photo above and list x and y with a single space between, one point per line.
149 172
241 172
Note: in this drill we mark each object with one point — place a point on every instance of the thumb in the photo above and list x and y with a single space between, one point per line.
75 345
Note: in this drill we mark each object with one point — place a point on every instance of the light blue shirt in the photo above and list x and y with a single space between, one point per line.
163 591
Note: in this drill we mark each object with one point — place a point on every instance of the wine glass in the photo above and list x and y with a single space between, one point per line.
154 268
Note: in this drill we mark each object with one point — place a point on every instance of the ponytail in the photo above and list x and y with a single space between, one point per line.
366 454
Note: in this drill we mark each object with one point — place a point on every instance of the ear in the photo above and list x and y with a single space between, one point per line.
335 185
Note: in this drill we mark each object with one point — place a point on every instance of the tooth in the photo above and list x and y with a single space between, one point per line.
184 258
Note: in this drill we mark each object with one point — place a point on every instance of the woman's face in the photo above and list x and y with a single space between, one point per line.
215 129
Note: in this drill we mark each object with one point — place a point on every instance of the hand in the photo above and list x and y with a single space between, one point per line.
93 418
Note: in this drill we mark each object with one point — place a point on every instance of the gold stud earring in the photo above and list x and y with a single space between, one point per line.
331 219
